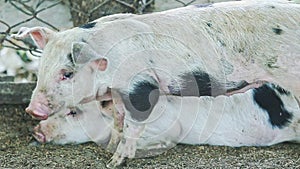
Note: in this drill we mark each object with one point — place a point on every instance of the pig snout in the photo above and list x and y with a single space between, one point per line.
39 106
40 111
38 134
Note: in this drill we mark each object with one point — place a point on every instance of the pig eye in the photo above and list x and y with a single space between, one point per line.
67 75
72 113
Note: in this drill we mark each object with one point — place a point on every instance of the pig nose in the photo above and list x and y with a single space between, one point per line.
37 114
38 134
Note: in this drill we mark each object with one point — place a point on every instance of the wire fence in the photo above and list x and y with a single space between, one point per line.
82 11
30 11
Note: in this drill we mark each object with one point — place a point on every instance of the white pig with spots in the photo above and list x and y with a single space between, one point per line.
212 50
235 121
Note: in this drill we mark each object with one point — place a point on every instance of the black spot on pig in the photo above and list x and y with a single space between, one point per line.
203 5
88 25
208 24
71 59
277 31
195 83
151 61
267 98
83 40
281 90
222 42
141 100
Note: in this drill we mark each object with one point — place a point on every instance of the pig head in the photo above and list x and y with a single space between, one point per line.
80 124
57 81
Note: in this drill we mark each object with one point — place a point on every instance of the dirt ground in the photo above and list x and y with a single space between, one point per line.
19 150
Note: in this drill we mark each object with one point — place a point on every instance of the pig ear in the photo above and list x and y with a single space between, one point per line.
83 54
40 35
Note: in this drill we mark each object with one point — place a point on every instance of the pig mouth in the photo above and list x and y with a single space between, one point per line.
38 134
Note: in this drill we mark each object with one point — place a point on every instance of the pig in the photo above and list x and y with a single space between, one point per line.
12 64
236 120
78 125
87 122
132 60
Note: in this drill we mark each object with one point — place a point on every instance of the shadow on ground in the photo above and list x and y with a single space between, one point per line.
18 150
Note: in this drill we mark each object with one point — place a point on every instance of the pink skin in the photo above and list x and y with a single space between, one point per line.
39 135
38 108
41 106
119 114
86 124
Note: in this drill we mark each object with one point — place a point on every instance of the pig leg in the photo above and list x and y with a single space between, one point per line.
118 116
114 141
136 105
117 131
115 109
108 109
128 144
131 133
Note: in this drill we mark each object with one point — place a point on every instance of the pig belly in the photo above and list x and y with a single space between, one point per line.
233 121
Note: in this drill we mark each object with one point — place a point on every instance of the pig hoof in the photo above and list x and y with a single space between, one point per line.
112 146
115 161
131 148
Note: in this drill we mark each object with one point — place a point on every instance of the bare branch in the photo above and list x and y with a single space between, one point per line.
27 20
126 4
98 6
50 6
53 27
19 8
189 3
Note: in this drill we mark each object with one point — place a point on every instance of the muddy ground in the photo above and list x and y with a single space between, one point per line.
19 150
